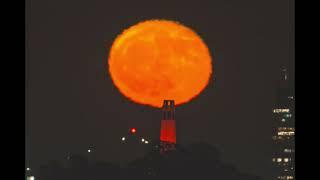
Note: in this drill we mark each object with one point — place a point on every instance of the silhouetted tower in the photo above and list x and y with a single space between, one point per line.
168 127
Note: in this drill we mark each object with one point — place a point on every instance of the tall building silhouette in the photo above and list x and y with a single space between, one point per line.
284 130
168 127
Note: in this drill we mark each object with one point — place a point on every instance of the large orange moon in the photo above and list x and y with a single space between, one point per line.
156 60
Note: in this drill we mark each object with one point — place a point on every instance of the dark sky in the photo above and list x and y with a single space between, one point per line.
71 102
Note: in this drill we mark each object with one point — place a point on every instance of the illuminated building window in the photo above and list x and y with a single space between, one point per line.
277 137
282 177
30 178
284 133
286 128
283 120
288 150
280 110
286 159
279 160
273 159
289 177
287 115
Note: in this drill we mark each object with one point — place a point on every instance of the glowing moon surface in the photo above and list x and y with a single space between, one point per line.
156 60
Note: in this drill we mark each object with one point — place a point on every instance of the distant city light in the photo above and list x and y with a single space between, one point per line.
288 115
30 178
288 150
28 169
147 142
280 110
142 140
123 138
89 150
279 160
283 133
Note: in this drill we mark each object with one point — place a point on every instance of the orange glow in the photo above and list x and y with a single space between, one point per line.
159 59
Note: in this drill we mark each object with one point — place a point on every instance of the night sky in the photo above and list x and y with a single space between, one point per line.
72 103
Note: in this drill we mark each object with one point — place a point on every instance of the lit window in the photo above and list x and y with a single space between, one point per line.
147 142
283 120
123 138
280 110
284 133
30 178
279 160
142 140
282 177
287 115
273 159
286 160
288 150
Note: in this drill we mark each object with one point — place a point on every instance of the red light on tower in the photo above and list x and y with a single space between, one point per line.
133 130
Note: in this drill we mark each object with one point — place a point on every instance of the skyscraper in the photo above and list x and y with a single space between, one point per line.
284 130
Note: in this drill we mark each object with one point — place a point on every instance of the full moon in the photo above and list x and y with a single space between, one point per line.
156 60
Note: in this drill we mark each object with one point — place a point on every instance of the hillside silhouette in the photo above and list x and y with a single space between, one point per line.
196 161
